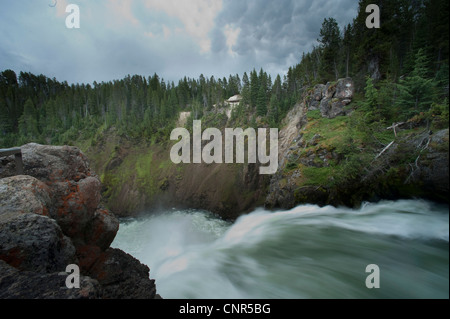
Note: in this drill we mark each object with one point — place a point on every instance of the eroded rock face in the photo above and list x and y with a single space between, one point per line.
51 218
64 188
335 97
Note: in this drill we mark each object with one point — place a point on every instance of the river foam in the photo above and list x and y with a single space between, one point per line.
306 252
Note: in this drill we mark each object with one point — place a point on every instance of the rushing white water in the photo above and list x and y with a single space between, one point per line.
307 252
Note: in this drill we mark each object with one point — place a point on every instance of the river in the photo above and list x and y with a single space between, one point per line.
306 252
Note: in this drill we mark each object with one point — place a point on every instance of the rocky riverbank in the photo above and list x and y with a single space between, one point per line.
51 217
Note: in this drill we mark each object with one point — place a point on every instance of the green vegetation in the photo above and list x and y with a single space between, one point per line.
401 76
403 67
144 170
317 175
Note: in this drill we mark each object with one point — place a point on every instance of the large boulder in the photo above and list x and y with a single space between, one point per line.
24 194
333 98
34 243
51 218
15 284
55 163
345 89
66 185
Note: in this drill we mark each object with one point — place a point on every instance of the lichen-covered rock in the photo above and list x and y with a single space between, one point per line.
65 184
88 255
34 243
337 109
329 90
51 218
122 276
75 208
318 92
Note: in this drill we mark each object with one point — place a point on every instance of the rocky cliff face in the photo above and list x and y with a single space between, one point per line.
51 217
140 177
415 165
285 187
331 98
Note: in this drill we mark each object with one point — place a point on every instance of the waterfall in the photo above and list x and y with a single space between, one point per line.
306 252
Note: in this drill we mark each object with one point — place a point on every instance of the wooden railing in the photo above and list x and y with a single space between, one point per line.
18 155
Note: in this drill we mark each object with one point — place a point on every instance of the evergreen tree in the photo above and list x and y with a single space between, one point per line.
28 123
416 90
347 47
277 88
245 92
261 105
371 94
254 88
274 111
330 40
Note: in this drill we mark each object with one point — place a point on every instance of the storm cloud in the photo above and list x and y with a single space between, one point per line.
174 38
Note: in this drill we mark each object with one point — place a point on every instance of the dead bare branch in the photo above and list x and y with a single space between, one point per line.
384 150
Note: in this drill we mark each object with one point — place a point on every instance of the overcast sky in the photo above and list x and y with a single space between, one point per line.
174 38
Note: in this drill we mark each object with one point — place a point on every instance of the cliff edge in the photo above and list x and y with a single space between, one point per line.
51 217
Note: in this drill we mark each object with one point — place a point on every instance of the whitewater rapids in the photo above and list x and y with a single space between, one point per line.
306 252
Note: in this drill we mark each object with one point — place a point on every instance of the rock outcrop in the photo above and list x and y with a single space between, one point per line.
416 165
50 218
332 98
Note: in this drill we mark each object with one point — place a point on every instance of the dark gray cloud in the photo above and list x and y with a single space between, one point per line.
278 31
117 38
